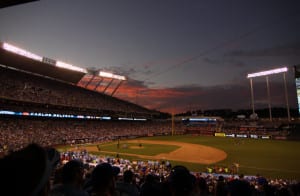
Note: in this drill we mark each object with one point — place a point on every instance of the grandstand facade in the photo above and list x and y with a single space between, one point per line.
41 102
50 84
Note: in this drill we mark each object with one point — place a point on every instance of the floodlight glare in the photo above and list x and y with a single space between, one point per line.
69 66
21 52
269 72
110 75
105 74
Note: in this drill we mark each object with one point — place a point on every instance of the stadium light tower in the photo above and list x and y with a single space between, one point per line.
266 74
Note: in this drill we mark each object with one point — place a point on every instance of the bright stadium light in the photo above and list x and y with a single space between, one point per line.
22 52
139 119
69 66
110 75
123 118
269 72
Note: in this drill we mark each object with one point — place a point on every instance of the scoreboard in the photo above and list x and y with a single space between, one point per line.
297 80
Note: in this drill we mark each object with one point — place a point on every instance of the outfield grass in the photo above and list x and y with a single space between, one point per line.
271 158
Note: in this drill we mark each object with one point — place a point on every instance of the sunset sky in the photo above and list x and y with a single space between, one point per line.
177 54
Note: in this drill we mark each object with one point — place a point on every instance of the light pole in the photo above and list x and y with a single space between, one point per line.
252 96
269 98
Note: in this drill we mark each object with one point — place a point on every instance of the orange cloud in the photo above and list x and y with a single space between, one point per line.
137 93
193 97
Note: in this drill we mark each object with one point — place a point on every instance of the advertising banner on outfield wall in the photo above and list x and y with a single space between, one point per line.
230 135
220 134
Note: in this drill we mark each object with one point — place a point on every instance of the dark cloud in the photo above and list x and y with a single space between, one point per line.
148 72
135 83
124 70
211 61
290 49
92 68
226 60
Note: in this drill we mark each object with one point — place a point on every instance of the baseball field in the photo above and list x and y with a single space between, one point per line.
270 158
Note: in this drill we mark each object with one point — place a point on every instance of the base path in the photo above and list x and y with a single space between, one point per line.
193 153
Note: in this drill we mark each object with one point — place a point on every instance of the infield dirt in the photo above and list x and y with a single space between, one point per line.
193 153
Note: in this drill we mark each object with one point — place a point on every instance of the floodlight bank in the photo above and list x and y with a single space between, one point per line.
110 75
25 53
22 52
269 72
69 66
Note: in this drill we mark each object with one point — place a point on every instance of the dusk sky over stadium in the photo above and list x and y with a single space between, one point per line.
177 55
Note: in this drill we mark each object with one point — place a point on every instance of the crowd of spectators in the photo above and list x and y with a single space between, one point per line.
158 172
20 86
24 92
15 133
34 170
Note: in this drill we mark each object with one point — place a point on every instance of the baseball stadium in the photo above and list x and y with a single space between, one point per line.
63 131
92 125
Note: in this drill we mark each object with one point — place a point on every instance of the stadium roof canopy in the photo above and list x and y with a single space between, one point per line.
7 3
44 66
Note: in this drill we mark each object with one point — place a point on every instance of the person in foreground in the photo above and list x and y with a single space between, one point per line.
27 172
72 180
180 181
103 180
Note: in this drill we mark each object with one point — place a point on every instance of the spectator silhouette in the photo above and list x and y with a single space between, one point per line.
103 180
221 187
181 181
72 180
151 186
127 187
26 172
238 187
